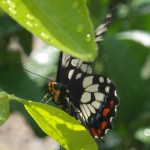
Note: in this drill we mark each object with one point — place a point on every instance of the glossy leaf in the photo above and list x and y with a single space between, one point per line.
64 24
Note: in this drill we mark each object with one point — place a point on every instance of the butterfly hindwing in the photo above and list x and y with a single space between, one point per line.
95 96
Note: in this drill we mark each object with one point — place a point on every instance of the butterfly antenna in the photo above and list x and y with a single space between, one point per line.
33 73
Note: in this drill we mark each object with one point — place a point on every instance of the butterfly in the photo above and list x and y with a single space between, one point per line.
90 98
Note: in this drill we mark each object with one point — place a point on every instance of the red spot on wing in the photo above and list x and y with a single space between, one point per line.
94 133
105 112
99 132
103 125
111 103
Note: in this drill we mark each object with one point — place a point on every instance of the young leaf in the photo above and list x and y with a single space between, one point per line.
64 24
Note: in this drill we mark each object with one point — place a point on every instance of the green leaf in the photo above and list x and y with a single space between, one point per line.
4 107
61 126
64 24
58 124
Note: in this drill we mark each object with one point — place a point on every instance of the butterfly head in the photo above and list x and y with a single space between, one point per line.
54 87
56 90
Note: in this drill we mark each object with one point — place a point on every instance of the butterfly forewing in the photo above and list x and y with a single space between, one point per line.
70 67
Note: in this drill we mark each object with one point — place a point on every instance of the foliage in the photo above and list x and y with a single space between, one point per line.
44 20
124 57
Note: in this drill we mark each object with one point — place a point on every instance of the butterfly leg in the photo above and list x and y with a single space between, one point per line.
47 98
68 106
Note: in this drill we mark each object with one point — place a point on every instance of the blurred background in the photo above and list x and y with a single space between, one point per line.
124 57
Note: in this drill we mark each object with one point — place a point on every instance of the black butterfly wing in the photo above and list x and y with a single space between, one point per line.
93 96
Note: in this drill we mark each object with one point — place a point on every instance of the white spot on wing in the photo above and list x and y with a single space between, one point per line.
111 118
89 69
106 131
74 62
92 88
86 97
87 81
83 111
115 93
86 109
99 96
91 108
107 88
108 81
101 79
81 116
83 67
67 63
70 73
79 75
96 104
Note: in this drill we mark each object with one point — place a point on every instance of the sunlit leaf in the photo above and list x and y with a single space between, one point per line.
59 125
62 127
64 24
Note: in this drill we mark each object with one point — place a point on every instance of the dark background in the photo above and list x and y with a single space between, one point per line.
124 58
